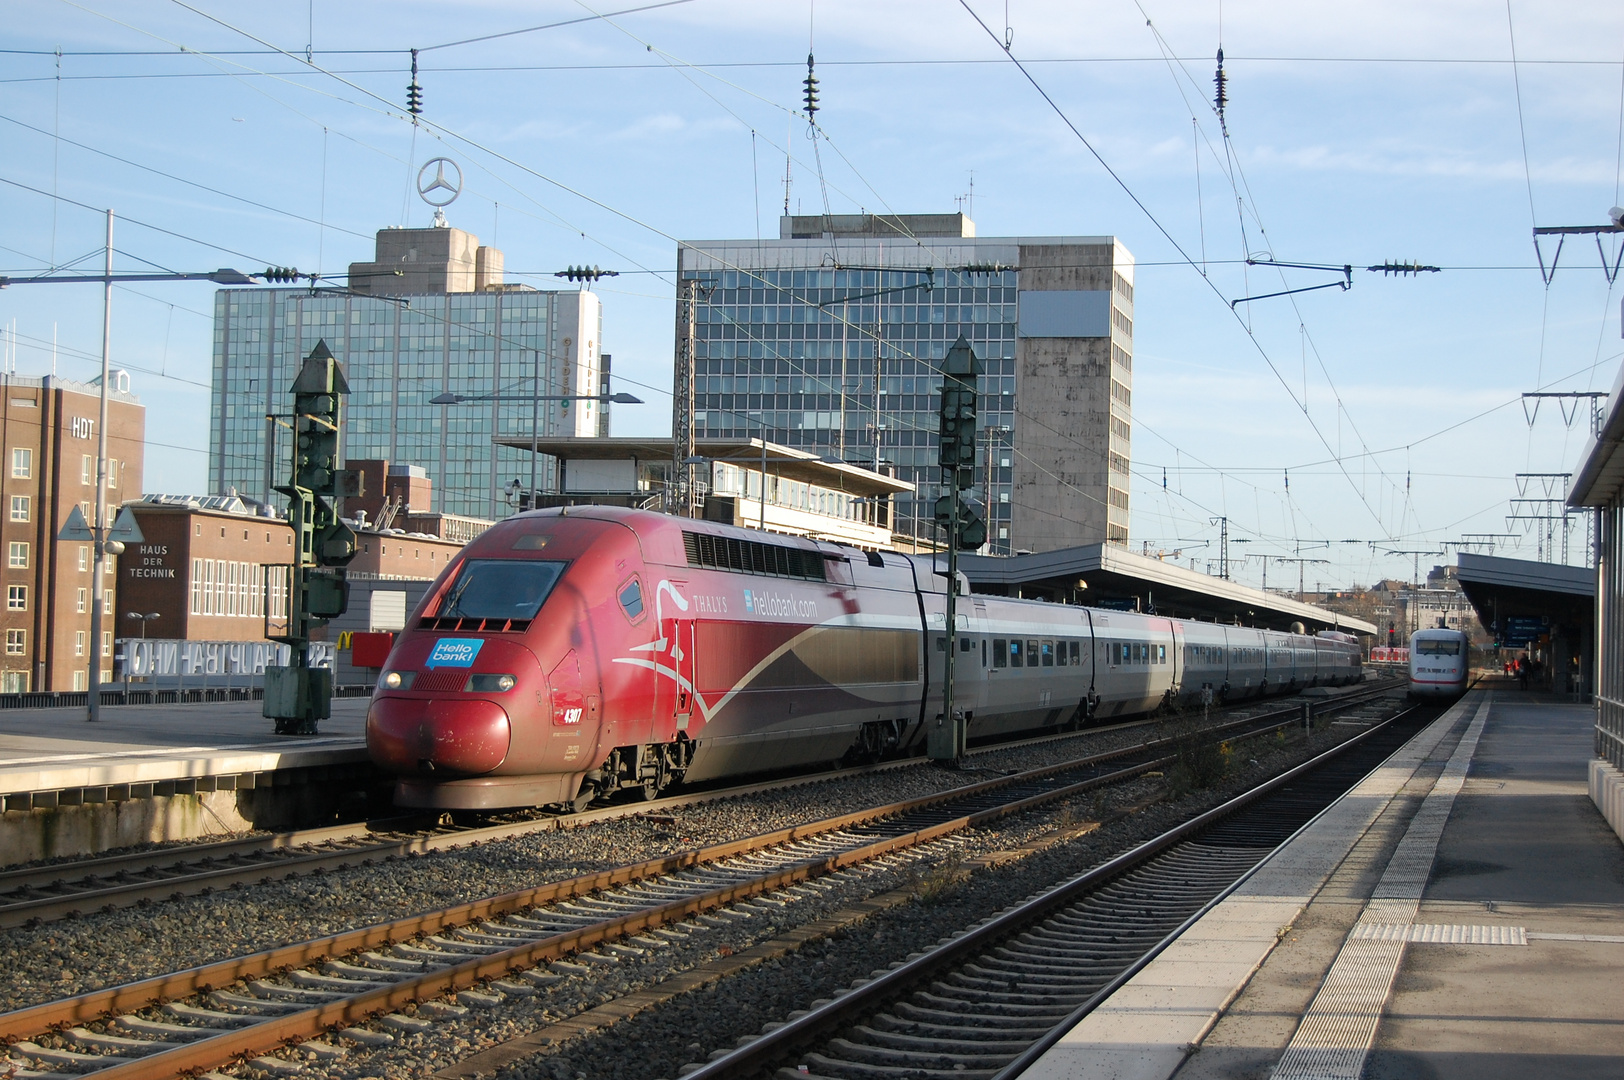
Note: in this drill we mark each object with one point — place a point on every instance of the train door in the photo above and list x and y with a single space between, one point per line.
674 695
970 673
682 662
1091 701
1175 661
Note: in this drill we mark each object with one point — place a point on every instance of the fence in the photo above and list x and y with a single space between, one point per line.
169 671
163 658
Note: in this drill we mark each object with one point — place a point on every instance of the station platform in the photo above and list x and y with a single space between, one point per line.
153 772
1460 913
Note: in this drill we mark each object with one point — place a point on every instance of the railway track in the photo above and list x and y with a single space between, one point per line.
44 893
987 1001
485 951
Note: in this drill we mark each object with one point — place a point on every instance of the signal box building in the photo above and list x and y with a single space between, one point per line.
830 339
429 314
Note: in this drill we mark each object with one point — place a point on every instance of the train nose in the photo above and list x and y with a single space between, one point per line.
414 736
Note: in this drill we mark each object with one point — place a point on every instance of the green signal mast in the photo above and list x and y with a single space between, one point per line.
297 696
956 454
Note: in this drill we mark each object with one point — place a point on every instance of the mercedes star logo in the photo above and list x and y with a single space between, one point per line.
441 190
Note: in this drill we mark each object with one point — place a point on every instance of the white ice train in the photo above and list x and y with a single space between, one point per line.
1440 663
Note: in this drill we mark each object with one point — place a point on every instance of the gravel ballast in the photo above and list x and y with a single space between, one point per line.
691 1027
100 949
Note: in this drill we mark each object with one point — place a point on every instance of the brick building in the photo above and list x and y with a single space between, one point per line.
49 429
201 568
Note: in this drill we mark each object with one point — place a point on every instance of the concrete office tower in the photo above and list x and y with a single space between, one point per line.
829 338
459 329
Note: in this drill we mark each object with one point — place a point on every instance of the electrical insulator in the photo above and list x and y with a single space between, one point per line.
281 274
414 92
585 273
811 90
1221 81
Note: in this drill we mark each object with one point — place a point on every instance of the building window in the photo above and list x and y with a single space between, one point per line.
197 587
107 645
107 603
16 597
81 680
112 472
84 558
17 555
14 682
84 601
87 469
16 642
78 643
22 463
19 507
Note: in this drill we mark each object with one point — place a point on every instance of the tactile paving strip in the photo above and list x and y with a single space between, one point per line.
1438 934
1339 1028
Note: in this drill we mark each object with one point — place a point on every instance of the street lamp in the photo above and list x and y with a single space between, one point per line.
99 528
448 398
144 620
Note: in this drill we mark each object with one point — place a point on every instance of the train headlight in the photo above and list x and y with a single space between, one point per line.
399 680
491 684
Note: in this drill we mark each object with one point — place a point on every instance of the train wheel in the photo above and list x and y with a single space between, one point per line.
651 790
584 798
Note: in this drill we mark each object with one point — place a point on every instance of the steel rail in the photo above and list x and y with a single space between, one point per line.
31 877
270 1033
190 880
1030 1055
783 1042
35 1020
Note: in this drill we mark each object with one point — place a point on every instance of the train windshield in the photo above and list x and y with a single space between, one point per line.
500 589
1437 648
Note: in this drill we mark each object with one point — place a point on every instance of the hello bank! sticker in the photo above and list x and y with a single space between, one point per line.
454 652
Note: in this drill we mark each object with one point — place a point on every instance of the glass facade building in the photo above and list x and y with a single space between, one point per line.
829 339
505 346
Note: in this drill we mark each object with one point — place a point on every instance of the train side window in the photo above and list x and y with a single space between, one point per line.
941 644
964 644
1031 653
631 600
1076 653
983 652
1015 653
1000 652
1161 654
1046 651
1060 653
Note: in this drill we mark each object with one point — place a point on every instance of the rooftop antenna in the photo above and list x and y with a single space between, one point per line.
788 158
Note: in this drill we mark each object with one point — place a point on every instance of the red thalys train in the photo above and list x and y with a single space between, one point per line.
567 654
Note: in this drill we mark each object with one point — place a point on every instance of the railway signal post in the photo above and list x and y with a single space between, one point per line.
956 454
297 696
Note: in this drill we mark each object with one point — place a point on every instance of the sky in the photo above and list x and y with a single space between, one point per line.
1375 428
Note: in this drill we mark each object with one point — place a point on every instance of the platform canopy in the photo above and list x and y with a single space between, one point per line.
1513 597
1104 575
